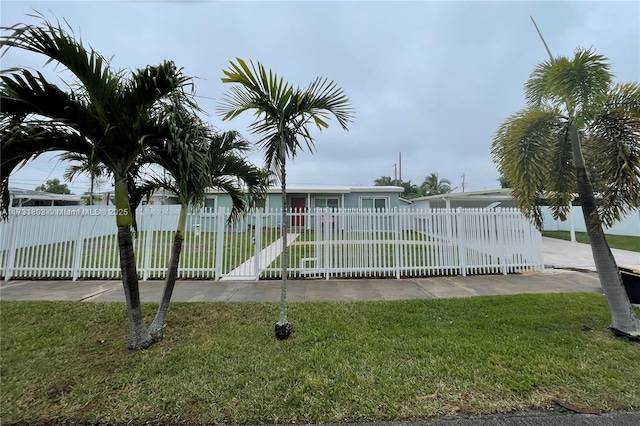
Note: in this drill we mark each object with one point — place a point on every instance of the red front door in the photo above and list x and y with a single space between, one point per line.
298 205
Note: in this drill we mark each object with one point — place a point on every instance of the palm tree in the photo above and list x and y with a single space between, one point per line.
577 128
387 181
207 161
106 116
283 114
81 164
433 185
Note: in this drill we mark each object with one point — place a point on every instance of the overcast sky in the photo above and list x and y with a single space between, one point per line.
430 80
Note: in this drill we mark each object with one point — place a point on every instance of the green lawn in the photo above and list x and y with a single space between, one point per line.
623 242
219 363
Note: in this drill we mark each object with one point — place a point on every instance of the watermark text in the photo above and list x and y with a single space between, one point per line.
43 211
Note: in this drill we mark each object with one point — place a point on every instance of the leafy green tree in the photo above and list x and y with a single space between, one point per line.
106 116
283 114
54 186
541 151
433 185
386 181
410 190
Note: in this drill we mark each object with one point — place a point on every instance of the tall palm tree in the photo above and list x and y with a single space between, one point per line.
578 127
283 115
433 185
105 115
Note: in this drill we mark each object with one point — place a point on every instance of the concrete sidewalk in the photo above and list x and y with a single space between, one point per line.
309 290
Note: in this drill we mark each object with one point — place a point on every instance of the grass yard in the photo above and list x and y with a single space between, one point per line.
623 242
219 363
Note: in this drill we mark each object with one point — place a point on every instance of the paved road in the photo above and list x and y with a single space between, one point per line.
526 418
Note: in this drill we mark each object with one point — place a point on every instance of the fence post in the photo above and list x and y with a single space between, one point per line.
462 249
148 238
78 249
327 242
257 243
502 240
11 250
396 249
219 242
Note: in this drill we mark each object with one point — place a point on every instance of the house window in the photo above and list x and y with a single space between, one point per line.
211 202
377 203
321 203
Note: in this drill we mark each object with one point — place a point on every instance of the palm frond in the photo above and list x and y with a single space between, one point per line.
282 113
24 142
577 83
62 47
522 150
615 144
560 181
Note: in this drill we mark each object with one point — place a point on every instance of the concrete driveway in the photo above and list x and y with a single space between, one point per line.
567 255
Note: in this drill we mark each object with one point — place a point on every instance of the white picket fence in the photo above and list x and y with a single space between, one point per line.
80 243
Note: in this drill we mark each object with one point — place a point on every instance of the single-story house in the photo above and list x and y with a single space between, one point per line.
305 198
308 198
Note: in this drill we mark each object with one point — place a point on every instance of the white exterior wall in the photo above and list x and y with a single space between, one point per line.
630 225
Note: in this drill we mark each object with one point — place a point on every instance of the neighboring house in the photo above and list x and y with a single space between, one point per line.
502 198
476 199
30 198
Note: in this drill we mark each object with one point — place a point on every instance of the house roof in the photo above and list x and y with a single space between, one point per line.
492 194
28 194
321 189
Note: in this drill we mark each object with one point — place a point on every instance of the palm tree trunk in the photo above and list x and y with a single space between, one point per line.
155 329
283 329
139 337
91 190
623 319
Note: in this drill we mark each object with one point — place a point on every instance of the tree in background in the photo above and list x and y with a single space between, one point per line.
504 183
282 117
410 190
387 181
433 185
578 128
54 186
97 172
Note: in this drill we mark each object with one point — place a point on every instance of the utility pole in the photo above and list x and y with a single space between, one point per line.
395 171
463 182
400 165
